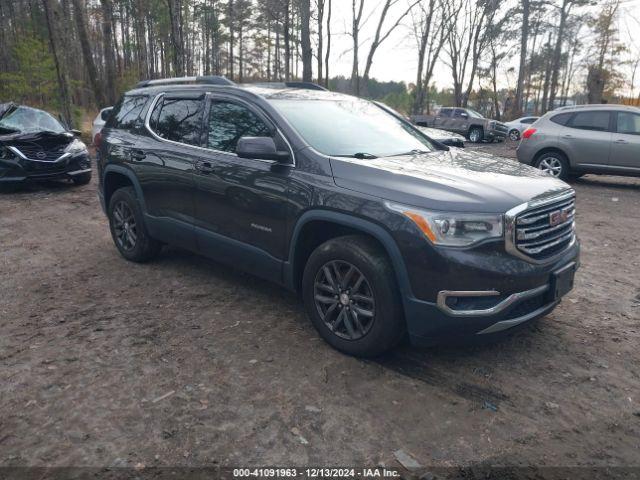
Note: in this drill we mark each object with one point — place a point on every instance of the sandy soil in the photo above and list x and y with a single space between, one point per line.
186 362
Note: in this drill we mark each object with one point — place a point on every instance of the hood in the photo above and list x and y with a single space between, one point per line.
454 180
44 139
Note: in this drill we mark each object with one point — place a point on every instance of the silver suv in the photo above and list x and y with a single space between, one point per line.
571 141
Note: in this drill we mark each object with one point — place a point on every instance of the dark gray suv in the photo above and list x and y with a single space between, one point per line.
382 231
572 141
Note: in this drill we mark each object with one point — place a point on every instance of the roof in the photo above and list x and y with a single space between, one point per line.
266 90
597 106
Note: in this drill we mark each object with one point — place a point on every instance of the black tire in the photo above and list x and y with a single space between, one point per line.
385 326
124 206
514 135
476 135
554 163
82 179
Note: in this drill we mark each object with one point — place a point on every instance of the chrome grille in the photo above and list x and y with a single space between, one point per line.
543 232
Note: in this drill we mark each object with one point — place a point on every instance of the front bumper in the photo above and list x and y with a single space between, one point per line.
473 310
21 170
494 134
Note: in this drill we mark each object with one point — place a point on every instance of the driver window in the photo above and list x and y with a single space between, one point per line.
458 113
228 122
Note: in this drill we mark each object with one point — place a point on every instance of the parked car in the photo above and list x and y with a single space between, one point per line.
519 125
572 141
99 122
464 121
446 138
36 146
380 230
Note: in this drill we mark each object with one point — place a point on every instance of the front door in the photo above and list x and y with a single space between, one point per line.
241 203
625 147
587 139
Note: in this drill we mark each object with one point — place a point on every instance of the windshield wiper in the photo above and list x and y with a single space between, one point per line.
415 151
361 155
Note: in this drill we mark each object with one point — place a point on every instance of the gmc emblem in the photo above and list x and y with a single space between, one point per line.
558 217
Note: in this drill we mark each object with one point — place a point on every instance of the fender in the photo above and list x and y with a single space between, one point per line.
366 226
131 176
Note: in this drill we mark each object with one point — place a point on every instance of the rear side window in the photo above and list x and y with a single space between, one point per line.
127 114
628 123
230 121
445 112
178 120
528 121
458 113
598 121
561 119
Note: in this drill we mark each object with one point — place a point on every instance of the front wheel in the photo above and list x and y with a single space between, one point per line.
476 135
351 297
514 135
553 163
82 179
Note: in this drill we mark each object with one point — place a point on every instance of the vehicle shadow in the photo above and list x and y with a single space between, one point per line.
45 186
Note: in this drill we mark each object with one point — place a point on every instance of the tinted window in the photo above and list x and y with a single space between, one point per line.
458 113
127 114
529 120
178 120
561 119
628 123
230 121
445 112
598 121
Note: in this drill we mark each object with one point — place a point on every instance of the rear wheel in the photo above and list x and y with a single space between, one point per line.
127 227
351 297
553 163
476 134
514 135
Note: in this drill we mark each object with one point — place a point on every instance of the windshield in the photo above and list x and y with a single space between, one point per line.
473 113
30 120
351 127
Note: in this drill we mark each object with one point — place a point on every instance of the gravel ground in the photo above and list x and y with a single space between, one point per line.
185 362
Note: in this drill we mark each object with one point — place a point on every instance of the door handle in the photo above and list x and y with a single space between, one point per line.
567 136
621 141
204 167
137 155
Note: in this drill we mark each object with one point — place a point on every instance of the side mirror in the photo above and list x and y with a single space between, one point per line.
263 148
104 115
76 133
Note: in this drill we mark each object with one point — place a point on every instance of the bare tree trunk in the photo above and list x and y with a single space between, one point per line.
110 61
516 110
63 80
557 54
355 34
287 41
305 40
327 54
83 37
175 14
320 8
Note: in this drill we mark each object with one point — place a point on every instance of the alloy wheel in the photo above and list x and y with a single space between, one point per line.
124 224
551 165
474 136
344 300
514 135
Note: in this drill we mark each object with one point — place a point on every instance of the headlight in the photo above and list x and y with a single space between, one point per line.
453 229
76 147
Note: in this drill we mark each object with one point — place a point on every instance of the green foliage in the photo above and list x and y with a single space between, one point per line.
34 81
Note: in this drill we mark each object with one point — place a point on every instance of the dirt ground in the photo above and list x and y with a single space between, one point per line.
185 362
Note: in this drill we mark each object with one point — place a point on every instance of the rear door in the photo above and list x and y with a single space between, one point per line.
625 148
165 161
443 118
587 139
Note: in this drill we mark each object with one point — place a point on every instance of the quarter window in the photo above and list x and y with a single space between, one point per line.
628 123
598 121
178 120
228 122
562 118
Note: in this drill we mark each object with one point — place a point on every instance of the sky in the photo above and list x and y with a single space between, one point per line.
396 59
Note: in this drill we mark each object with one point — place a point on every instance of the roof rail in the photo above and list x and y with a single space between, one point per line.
208 80
305 85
